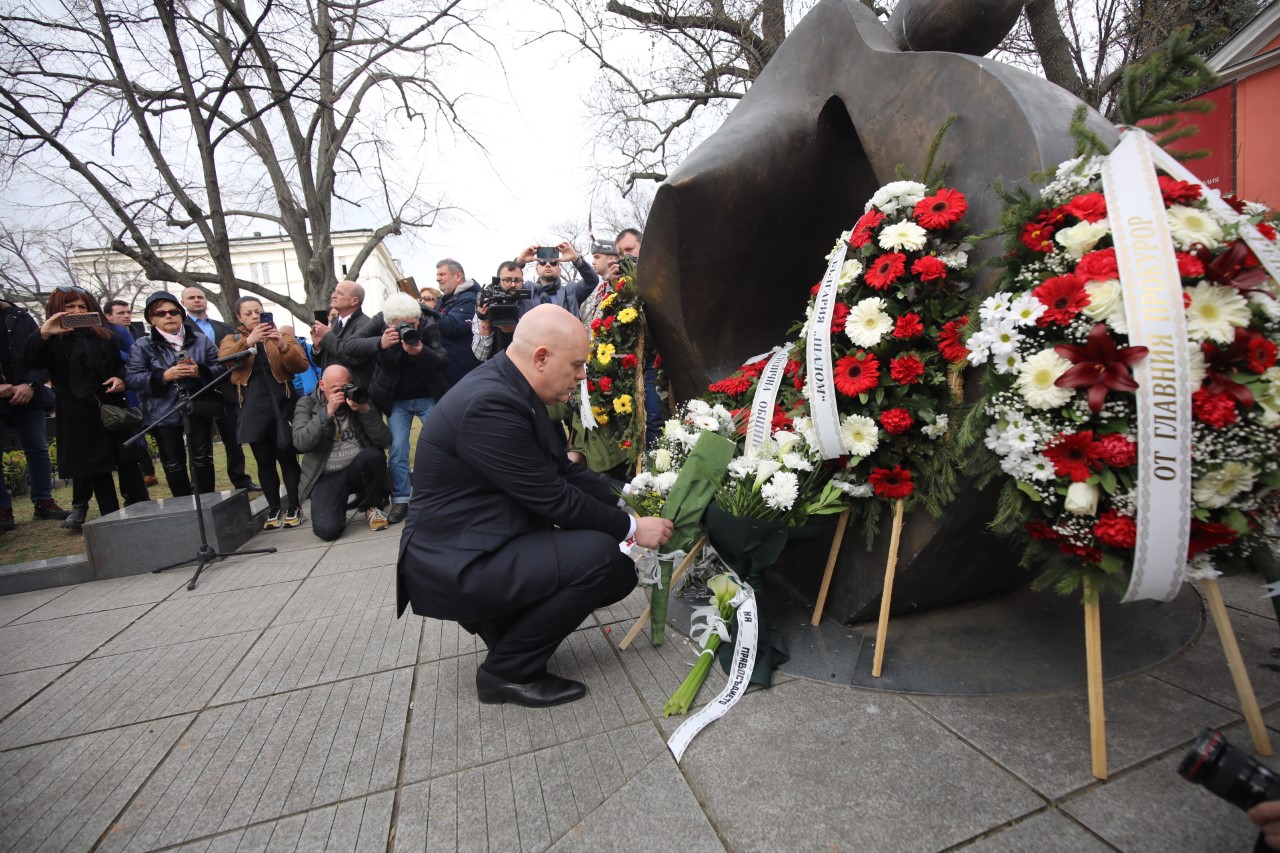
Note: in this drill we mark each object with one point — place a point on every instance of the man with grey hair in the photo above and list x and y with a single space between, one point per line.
457 310
330 344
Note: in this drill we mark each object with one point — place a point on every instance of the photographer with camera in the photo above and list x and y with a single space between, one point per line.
408 379
499 308
342 438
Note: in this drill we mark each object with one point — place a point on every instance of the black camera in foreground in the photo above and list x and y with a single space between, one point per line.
355 394
408 334
1228 771
504 305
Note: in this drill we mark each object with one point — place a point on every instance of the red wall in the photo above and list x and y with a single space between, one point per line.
1257 129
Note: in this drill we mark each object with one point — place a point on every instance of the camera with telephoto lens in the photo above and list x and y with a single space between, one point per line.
408 334
355 394
1228 771
503 305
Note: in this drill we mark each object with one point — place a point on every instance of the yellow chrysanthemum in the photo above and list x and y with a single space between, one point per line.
622 405
604 353
607 301
627 315
601 417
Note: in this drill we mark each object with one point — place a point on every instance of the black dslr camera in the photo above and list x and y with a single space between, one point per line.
355 394
408 334
1228 771
503 305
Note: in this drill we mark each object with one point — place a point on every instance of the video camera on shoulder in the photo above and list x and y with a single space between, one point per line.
503 305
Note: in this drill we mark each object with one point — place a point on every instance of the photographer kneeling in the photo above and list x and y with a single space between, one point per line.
408 378
500 307
341 437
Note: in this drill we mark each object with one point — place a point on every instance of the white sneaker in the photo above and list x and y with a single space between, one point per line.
377 521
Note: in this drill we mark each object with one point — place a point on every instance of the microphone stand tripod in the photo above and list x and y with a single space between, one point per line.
205 553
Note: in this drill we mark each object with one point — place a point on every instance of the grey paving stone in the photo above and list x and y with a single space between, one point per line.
655 809
1245 592
20 604
806 765
21 686
303 654
656 671
1047 830
528 801
344 556
442 639
1044 739
63 795
1155 809
264 759
255 570
1202 668
107 595
627 610
196 617
288 541
331 595
39 644
118 690
358 825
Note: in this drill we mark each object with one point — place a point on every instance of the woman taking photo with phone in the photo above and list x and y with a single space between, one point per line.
265 380
170 357
86 370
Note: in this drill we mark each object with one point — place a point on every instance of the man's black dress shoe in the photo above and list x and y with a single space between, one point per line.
548 690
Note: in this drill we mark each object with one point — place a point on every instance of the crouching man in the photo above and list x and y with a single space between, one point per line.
342 441
504 535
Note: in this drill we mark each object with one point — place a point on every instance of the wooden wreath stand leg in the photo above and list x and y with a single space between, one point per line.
675 577
1235 662
1093 662
882 629
831 568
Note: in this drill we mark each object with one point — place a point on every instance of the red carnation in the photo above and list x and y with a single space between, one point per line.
908 326
1116 530
813 291
1064 295
949 341
755 368
1189 266
929 268
1261 354
1118 451
861 235
596 324
1098 266
906 370
885 270
1208 534
792 367
733 386
857 373
606 384
839 313
1076 456
1037 237
591 387
892 482
1177 192
896 421
1041 530
1090 207
941 210
628 361
1084 552
608 322
1216 410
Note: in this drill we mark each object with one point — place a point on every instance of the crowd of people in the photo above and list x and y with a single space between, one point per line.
345 403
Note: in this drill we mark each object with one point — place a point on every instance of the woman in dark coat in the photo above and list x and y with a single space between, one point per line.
265 381
170 357
86 369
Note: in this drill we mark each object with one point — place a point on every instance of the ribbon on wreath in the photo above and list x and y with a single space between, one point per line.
584 407
744 663
649 563
823 407
761 421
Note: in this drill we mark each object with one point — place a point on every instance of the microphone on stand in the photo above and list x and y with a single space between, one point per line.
235 356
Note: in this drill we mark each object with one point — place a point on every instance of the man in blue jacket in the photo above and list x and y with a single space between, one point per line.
457 308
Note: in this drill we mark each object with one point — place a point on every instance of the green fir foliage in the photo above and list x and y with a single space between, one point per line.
1159 88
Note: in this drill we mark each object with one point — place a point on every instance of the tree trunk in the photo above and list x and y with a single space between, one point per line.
1055 50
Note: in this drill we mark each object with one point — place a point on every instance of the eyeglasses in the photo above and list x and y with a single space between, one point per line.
167 312
67 288
429 299
511 281
550 263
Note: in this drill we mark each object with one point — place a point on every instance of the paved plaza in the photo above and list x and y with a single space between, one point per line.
282 706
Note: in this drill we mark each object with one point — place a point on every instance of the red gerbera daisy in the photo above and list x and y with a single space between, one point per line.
906 370
733 386
929 268
857 373
896 421
861 235
941 210
1064 295
1076 456
1037 237
1090 207
1261 354
1098 266
885 270
839 313
908 326
892 482
1208 534
949 341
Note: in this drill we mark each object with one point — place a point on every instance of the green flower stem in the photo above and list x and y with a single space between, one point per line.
688 690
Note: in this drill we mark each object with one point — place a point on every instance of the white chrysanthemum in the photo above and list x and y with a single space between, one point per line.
1008 363
671 426
1215 313
1105 299
937 429
707 421
662 460
995 440
804 426
1217 488
1269 304
797 462
1005 338
897 194
868 322
1197 367
1020 439
853 490
665 481
906 236
1255 208
1190 225
859 435
1025 309
696 407
957 260
1035 380
642 482
1082 237
842 243
1037 468
995 307
781 491
851 269
742 467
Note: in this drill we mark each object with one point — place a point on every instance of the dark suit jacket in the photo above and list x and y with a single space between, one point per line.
337 349
490 468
